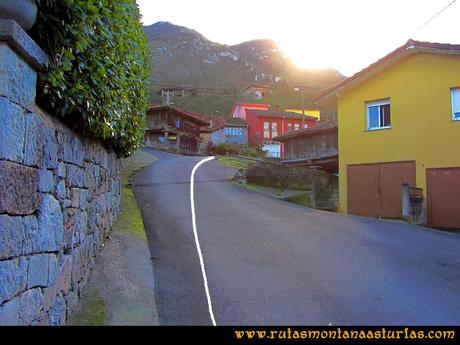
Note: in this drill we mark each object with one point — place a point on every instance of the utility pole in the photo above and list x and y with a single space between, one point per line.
302 90
303 107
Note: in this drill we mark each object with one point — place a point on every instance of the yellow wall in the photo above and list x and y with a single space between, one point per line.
309 112
421 118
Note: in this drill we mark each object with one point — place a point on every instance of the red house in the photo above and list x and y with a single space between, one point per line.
264 125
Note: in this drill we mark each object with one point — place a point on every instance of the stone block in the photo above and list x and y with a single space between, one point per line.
75 197
9 313
18 80
52 269
34 140
64 279
30 303
13 276
12 131
57 313
75 176
30 235
61 190
50 225
18 189
50 149
76 222
11 32
49 297
61 170
83 202
45 181
11 236
78 265
73 151
38 271
90 176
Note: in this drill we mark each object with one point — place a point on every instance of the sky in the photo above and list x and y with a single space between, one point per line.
347 35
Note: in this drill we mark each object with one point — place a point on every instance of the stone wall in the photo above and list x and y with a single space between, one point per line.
324 187
59 196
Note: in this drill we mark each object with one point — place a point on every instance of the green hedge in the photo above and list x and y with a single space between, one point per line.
99 73
236 149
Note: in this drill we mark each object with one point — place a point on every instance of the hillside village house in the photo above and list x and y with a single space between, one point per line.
399 123
257 91
214 132
312 147
264 125
236 131
173 129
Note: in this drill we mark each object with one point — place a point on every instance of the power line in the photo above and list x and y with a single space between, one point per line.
436 14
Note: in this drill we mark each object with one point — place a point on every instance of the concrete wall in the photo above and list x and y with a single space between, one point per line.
59 196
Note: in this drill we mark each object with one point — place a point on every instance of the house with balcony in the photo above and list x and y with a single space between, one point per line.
173 129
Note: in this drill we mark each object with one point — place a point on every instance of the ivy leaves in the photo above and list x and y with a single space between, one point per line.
98 80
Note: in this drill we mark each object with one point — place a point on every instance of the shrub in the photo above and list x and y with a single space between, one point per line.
225 149
98 77
236 149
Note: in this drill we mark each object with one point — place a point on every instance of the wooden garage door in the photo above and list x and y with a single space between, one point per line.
374 190
363 189
443 198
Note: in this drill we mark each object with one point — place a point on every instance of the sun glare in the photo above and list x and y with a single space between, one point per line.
345 35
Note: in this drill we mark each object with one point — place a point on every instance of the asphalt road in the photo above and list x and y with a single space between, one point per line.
270 262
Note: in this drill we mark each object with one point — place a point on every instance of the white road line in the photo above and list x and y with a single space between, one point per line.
195 234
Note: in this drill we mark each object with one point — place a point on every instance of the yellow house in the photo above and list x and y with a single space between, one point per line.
399 123
309 112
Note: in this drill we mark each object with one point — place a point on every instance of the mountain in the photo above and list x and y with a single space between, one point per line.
182 57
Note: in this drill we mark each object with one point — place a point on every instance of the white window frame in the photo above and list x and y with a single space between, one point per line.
455 90
296 126
266 130
377 104
274 129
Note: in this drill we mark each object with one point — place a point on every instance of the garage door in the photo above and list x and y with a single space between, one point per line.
374 190
443 198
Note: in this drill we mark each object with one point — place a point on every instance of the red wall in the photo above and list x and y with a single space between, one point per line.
256 126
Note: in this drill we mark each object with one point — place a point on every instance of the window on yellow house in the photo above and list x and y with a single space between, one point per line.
378 115
455 96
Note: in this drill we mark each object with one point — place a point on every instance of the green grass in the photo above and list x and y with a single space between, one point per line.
91 312
300 199
237 163
130 220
